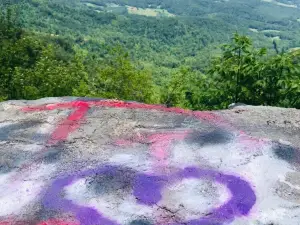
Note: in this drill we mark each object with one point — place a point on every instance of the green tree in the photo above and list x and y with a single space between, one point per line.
280 79
185 88
237 70
118 78
49 77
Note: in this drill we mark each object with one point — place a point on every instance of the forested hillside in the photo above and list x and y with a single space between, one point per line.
156 51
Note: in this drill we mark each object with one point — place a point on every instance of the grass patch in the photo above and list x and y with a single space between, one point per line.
148 12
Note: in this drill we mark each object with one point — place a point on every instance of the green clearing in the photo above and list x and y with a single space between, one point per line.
149 12
281 4
274 31
91 5
254 30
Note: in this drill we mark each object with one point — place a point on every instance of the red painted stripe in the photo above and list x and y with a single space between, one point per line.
81 107
69 125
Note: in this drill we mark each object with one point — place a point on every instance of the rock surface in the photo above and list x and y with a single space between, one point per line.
72 161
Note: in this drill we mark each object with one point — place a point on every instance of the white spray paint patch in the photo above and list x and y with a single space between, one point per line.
14 196
264 172
122 209
192 198
131 161
259 167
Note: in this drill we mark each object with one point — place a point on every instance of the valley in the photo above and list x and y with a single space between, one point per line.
162 40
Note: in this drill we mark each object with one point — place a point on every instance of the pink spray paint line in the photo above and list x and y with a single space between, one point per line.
123 143
13 222
251 143
161 144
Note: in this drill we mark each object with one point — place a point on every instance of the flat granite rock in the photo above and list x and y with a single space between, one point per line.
82 161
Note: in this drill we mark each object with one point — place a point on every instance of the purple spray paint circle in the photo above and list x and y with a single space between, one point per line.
147 190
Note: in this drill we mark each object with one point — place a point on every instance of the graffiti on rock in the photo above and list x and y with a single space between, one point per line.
119 189
147 190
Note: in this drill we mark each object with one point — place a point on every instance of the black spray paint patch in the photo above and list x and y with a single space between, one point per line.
6 168
44 214
53 154
140 222
10 160
210 138
121 179
10 130
286 152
